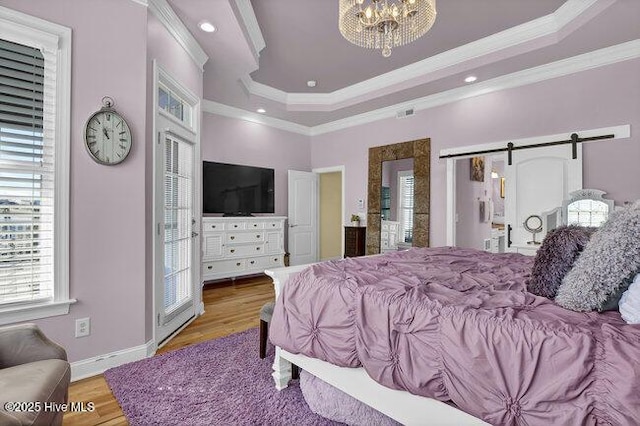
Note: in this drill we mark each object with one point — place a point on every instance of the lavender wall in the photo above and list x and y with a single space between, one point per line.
600 97
235 141
165 50
107 212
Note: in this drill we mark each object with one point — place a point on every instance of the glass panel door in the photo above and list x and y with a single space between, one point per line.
178 228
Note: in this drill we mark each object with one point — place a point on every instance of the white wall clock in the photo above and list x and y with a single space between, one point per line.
107 135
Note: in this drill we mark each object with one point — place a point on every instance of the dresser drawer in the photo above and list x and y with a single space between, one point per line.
255 224
224 266
276 224
231 226
244 251
245 237
208 226
274 261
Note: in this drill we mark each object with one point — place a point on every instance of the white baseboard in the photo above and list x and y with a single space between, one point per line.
99 364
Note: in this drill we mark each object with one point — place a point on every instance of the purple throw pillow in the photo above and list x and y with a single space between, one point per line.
555 257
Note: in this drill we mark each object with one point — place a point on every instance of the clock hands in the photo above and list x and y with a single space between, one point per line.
106 133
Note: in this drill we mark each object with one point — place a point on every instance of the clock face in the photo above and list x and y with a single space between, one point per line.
107 137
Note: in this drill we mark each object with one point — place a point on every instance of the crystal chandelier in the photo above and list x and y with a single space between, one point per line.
384 24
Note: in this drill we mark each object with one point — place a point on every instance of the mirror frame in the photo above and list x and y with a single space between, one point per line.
420 151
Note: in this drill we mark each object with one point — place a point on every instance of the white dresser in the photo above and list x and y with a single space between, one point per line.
236 246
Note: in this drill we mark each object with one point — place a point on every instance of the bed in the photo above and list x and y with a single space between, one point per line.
452 336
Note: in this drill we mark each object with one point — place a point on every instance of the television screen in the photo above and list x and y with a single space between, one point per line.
236 190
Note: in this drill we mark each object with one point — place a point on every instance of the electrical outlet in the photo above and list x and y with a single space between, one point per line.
360 203
83 327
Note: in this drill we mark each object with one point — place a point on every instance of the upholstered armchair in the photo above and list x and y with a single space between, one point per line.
33 369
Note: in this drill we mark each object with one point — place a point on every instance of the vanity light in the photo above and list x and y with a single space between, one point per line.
207 26
312 83
470 79
494 174
261 110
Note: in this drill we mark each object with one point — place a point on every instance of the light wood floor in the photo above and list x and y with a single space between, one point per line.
230 307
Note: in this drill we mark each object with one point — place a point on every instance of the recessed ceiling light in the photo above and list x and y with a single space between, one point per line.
261 110
470 79
207 26
312 83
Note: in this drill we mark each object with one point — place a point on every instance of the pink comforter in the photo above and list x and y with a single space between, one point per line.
458 325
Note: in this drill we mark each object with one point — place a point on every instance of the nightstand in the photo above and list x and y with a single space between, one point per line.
354 241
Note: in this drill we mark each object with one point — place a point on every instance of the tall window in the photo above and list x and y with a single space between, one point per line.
33 168
26 178
405 205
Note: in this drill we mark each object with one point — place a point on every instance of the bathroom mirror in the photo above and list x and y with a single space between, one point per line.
419 151
585 207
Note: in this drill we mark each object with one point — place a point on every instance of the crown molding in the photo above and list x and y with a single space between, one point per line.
598 58
212 107
264 91
165 14
248 17
144 3
537 33
584 62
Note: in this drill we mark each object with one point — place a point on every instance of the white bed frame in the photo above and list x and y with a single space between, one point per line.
401 406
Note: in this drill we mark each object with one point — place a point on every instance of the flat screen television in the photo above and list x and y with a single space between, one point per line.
237 190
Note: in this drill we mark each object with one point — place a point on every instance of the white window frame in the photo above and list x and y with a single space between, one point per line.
51 39
401 208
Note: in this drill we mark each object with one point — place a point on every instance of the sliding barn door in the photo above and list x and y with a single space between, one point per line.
538 180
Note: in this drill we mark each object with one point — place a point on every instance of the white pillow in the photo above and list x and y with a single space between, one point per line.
630 302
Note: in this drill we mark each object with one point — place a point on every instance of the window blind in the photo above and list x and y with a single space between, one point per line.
178 214
406 207
26 174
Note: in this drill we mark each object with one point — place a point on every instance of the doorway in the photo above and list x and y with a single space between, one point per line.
330 217
316 215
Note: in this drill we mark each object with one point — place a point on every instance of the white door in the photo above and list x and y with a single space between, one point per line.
175 274
536 182
303 217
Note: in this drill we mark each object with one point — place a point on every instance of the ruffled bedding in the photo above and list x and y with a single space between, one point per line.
458 325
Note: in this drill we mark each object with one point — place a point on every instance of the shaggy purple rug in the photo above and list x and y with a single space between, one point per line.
219 382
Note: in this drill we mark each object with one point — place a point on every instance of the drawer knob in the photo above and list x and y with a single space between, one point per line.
238 264
213 226
233 250
275 259
258 236
273 224
209 267
253 261
258 248
235 226
232 237
255 225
